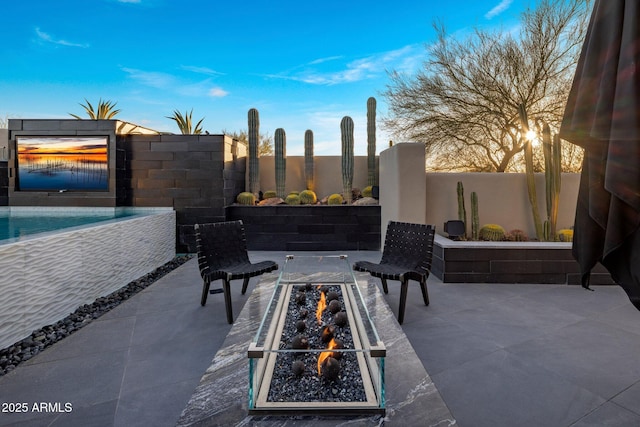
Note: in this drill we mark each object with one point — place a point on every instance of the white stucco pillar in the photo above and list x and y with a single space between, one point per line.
403 184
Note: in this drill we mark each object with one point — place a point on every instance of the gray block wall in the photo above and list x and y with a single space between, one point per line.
309 228
197 175
4 184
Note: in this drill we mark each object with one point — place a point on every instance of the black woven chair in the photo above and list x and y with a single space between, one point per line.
407 254
222 254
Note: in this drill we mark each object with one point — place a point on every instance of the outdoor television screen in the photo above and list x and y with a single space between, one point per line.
47 163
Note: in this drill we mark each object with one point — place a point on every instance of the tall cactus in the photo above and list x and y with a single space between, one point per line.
552 177
531 184
346 129
254 141
462 211
308 160
280 142
371 141
475 222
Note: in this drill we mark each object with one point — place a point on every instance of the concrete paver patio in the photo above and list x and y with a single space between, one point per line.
500 355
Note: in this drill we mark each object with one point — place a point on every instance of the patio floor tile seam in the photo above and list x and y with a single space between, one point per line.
635 409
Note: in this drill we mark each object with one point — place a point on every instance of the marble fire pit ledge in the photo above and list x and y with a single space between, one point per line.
221 398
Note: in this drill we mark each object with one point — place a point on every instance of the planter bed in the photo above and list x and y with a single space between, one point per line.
509 262
309 228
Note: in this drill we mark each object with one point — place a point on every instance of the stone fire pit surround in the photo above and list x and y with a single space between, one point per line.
303 370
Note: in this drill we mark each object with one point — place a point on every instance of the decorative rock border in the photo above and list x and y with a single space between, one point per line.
42 338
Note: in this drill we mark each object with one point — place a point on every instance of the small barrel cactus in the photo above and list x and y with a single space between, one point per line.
308 197
492 232
246 198
367 191
335 199
565 235
517 236
269 194
292 199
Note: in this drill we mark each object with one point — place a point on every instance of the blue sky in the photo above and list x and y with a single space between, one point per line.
303 65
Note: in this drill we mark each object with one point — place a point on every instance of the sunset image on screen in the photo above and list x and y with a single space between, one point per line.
62 163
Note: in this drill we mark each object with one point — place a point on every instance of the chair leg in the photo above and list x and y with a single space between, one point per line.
227 300
205 292
404 286
384 286
245 284
425 292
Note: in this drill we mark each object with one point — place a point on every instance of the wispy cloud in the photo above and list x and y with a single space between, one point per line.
129 1
48 38
498 9
364 68
217 92
171 83
201 70
151 78
327 59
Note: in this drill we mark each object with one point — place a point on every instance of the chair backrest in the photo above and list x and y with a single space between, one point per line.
409 245
220 244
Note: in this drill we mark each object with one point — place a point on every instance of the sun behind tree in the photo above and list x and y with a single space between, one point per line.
463 103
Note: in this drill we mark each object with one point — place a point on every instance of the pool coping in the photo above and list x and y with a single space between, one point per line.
65 210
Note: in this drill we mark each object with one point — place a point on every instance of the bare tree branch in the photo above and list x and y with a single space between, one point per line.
464 102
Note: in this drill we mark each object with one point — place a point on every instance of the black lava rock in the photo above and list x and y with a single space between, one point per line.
340 318
297 368
334 306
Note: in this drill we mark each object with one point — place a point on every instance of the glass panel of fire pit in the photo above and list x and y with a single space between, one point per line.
316 350
316 269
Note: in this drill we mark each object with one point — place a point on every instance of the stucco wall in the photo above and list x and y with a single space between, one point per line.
502 199
402 184
408 194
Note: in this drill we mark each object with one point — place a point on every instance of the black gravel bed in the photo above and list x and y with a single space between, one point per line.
295 375
40 339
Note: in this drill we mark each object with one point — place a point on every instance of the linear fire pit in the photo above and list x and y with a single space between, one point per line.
317 350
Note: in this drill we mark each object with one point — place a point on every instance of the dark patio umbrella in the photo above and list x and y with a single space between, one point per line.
603 117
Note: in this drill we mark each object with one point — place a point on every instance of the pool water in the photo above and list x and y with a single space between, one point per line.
15 227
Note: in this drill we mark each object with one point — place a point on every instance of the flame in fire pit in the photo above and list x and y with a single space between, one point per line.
325 354
322 304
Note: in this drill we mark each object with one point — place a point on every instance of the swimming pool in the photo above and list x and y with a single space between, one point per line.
47 275
16 223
